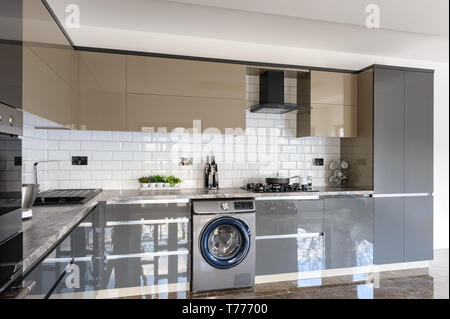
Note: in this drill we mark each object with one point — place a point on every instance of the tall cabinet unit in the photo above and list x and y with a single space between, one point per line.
11 53
403 164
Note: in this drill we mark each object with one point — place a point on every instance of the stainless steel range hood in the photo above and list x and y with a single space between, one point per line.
271 94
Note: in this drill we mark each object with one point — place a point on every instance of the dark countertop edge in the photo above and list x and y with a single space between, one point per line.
33 258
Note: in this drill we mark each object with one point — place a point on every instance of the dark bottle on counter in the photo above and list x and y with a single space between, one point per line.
207 172
214 173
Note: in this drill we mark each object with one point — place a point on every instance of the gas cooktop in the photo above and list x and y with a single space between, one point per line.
278 188
65 196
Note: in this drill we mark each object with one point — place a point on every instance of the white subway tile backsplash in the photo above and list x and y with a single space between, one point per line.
111 165
101 136
58 155
80 135
122 156
69 146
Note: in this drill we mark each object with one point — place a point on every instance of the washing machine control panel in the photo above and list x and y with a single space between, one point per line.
244 205
223 206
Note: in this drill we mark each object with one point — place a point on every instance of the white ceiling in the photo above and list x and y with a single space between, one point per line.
412 29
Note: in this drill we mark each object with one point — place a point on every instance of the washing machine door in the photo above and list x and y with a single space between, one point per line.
225 242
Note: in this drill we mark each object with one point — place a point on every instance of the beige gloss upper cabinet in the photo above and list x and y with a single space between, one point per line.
148 75
172 93
50 68
329 101
333 88
102 91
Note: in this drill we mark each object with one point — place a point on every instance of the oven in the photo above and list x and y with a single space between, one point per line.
11 244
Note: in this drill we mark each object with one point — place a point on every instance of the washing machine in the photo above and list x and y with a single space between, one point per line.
223 244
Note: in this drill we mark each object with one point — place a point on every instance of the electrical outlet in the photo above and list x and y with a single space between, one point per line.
18 161
318 162
79 160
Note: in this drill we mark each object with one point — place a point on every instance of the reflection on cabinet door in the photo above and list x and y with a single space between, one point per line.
102 96
348 229
289 236
388 230
44 92
418 228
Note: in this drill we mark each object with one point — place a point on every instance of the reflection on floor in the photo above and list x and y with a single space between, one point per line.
421 283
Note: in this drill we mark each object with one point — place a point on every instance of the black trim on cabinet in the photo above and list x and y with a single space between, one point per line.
204 59
393 67
52 13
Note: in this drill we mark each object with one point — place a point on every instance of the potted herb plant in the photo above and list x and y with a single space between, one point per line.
166 181
173 181
158 180
144 181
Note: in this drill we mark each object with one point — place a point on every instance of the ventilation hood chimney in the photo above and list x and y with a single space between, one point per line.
271 94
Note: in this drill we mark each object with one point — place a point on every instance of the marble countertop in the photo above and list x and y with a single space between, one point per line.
51 223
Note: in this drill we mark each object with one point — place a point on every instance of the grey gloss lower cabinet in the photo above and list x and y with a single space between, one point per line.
348 229
418 228
403 229
117 246
388 230
289 236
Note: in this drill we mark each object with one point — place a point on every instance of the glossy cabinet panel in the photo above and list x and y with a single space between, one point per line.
332 99
50 69
102 91
333 88
359 151
11 53
334 120
348 228
389 131
289 236
419 228
419 132
44 92
150 112
115 247
388 230
176 77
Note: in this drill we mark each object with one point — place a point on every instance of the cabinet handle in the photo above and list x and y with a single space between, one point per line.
401 195
304 235
304 197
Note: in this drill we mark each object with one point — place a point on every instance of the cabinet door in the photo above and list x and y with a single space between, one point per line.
333 88
389 112
419 133
11 53
388 230
151 112
348 229
176 77
69 267
145 245
418 228
289 236
334 120
50 70
102 91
